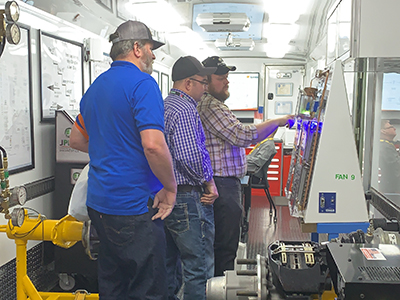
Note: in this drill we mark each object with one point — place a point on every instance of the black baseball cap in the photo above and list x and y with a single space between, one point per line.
133 30
187 66
216 61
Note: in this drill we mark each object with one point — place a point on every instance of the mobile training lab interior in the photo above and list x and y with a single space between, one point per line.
324 222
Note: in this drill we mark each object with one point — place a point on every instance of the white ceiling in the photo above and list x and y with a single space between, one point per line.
312 25
96 18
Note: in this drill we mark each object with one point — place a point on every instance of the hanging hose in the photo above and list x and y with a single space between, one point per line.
2 45
2 175
5 183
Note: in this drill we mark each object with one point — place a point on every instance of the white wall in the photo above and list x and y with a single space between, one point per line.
44 148
258 64
44 133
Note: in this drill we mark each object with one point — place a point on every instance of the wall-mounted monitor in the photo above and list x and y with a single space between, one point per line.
243 87
391 92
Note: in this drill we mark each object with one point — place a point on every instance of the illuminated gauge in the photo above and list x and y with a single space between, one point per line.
313 126
13 33
305 124
320 127
12 11
21 195
17 217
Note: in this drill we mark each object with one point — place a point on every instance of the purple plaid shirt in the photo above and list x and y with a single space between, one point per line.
226 137
186 140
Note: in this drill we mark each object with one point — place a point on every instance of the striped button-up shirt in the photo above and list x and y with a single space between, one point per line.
186 140
226 137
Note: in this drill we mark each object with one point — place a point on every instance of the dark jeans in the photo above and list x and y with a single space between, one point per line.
227 218
131 261
190 236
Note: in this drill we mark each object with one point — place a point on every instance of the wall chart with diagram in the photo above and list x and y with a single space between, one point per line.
98 67
61 66
16 127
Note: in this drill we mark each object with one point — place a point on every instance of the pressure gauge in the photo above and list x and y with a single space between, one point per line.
13 33
17 217
11 11
21 195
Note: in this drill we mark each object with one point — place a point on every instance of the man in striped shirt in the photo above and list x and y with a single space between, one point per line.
226 138
190 227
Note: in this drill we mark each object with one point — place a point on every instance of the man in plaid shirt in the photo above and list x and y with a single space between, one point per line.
190 227
226 138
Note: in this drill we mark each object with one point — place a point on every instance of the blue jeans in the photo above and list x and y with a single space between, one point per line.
227 217
131 261
190 236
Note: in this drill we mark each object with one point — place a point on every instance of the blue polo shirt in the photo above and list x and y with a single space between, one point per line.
119 104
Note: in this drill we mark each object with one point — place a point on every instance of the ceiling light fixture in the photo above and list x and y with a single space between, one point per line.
282 26
191 43
286 11
158 15
232 44
276 50
278 38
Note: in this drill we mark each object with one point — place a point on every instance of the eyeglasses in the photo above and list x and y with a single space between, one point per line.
391 126
205 83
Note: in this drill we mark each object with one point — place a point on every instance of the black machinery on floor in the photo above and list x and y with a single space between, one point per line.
357 265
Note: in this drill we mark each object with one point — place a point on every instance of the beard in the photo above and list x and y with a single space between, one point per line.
147 63
221 96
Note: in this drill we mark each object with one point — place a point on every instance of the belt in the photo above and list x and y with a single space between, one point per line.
186 188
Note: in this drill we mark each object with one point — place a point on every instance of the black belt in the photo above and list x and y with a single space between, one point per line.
186 188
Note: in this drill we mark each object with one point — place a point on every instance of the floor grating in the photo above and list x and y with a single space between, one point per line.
263 231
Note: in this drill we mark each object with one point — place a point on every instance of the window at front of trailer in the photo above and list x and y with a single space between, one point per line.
386 155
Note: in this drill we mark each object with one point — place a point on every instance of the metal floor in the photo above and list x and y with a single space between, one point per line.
263 231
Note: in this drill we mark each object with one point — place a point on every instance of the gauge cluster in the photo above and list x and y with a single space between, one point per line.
9 31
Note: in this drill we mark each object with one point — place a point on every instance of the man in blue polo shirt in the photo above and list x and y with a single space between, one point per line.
190 227
122 117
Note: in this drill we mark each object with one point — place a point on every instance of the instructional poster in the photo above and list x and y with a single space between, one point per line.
16 130
61 75
98 67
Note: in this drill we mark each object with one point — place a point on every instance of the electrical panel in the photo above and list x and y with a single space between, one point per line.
324 183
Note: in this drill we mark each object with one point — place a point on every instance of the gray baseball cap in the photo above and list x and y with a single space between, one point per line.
133 30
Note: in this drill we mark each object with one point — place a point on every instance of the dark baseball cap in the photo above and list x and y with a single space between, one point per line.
216 61
133 30
187 66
